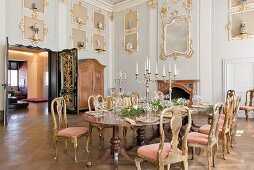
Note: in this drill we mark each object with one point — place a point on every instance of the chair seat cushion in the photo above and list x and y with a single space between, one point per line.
195 137
206 129
71 132
247 108
150 151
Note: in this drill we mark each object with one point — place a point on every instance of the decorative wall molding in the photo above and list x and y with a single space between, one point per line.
152 3
100 4
128 4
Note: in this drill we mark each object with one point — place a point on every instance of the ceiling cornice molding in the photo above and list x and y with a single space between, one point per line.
127 4
101 4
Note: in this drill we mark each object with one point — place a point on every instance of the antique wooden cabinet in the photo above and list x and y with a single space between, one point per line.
91 80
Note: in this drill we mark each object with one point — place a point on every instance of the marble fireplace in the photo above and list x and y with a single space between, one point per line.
180 88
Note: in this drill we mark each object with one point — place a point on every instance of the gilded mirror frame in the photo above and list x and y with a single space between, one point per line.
189 43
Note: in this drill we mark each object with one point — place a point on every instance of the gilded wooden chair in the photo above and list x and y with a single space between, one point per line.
134 98
225 123
163 154
248 103
61 129
93 102
234 120
209 142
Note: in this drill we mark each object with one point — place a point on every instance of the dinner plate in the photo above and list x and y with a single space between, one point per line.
147 120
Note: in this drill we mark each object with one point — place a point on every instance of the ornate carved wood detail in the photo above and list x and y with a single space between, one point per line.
189 86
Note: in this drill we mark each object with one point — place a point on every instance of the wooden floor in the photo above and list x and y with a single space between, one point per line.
26 145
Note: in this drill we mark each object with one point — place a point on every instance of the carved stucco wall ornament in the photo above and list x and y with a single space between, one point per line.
152 3
176 39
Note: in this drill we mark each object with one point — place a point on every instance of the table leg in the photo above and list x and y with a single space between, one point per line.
141 136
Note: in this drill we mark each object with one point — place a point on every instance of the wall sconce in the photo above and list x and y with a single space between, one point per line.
36 30
99 25
34 6
129 25
81 44
129 48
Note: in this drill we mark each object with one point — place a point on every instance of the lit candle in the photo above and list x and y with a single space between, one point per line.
149 66
147 63
169 67
175 70
163 73
125 76
156 68
136 67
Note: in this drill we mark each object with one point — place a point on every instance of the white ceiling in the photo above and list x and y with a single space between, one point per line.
114 1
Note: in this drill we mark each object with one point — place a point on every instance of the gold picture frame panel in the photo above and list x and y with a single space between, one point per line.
131 38
40 3
79 11
237 4
235 20
131 16
79 36
98 38
98 18
28 33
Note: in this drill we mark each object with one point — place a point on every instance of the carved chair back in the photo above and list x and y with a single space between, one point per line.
134 98
236 109
214 130
249 98
94 101
228 112
59 116
176 125
230 94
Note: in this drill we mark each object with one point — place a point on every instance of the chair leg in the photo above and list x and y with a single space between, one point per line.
168 167
224 143
193 152
215 151
124 135
185 164
75 143
233 136
209 154
90 133
87 143
55 146
228 142
247 114
138 161
66 145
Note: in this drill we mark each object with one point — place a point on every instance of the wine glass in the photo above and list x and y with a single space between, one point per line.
155 108
149 110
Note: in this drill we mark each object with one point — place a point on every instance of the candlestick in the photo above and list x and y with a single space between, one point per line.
136 67
175 71
119 79
169 67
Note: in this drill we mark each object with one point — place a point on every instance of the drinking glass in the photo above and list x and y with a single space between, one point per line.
149 110
155 108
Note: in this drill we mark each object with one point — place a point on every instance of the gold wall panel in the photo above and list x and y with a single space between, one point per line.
40 4
236 3
79 12
133 39
29 33
131 21
99 20
98 42
79 36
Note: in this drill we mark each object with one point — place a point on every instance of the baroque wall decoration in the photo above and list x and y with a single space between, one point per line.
131 43
240 4
98 21
176 37
79 14
112 15
98 43
36 6
34 30
241 25
79 39
131 21
152 3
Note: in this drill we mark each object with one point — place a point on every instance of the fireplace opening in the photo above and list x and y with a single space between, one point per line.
179 93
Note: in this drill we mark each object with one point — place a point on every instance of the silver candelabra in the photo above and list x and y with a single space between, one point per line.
120 80
171 79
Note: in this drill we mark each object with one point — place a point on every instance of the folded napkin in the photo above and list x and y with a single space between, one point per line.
130 121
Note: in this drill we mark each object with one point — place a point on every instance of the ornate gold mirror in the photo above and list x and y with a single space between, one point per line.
176 37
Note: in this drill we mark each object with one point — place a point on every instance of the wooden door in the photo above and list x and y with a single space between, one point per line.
85 83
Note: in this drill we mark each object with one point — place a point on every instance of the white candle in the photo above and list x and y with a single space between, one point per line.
145 67
156 68
120 74
163 73
147 63
169 67
136 67
149 66
125 76
175 70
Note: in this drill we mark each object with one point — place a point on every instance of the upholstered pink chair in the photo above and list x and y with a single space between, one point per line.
61 129
225 123
163 154
209 142
248 103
